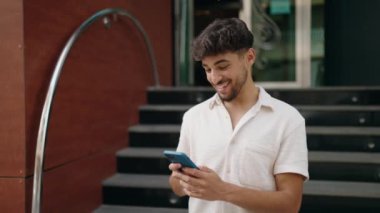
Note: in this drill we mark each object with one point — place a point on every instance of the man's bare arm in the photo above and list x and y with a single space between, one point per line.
206 184
287 197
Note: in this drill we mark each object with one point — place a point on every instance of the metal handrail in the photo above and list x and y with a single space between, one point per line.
42 131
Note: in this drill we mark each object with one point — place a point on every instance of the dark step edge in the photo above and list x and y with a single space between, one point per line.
136 209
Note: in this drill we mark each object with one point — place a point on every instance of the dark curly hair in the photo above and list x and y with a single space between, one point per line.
221 36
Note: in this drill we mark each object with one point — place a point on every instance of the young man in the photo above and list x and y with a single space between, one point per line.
250 148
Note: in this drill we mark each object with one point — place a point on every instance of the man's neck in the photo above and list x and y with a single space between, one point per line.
242 103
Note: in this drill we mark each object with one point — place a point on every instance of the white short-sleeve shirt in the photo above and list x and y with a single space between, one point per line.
269 139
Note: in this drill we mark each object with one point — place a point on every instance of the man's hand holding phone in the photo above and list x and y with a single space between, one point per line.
189 179
179 161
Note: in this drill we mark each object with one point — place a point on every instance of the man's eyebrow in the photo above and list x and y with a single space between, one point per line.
216 63
220 61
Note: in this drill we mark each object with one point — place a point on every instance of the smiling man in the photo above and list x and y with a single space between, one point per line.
250 147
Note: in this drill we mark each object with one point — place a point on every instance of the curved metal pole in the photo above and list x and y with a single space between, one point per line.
42 131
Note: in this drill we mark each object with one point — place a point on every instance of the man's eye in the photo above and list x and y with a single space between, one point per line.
207 70
223 67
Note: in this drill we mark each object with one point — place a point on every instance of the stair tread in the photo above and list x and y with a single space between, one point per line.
314 156
136 209
342 188
142 128
311 188
343 130
138 180
325 130
142 152
171 107
344 157
324 88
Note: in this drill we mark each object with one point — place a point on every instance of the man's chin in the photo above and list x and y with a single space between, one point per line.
225 97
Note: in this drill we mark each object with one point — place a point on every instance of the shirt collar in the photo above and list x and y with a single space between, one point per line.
264 99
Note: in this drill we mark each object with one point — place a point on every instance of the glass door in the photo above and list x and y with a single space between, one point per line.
282 41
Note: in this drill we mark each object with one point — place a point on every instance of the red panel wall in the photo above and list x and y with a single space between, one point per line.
76 187
12 195
12 103
102 84
12 108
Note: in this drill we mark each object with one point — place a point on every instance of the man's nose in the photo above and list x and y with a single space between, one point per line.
215 77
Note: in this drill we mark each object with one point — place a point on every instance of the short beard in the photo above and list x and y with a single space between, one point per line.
235 91
233 95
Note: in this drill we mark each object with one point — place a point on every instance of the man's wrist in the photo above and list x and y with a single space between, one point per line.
225 191
228 191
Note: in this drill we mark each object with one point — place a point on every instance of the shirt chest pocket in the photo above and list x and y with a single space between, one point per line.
256 164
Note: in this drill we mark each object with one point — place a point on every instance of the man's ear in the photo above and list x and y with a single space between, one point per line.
251 56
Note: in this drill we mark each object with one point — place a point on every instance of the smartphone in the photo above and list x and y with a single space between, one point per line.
181 158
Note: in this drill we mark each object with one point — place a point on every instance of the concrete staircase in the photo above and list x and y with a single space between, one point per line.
343 132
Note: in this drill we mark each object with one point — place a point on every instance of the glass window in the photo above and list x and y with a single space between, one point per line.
273 25
317 42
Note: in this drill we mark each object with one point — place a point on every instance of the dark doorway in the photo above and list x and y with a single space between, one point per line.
352 42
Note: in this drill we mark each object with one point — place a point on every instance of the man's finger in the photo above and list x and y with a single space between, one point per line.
181 176
190 191
177 174
192 172
174 166
205 169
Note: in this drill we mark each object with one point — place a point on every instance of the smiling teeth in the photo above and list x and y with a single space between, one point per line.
223 85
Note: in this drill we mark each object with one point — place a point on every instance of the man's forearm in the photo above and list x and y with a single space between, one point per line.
261 201
205 184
